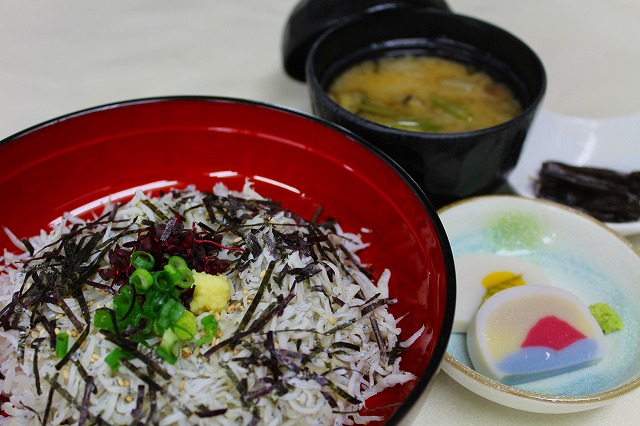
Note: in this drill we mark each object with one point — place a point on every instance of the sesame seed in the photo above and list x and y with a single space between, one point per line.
128 398
219 333
120 381
331 320
94 358
230 308
245 291
35 334
181 386
263 273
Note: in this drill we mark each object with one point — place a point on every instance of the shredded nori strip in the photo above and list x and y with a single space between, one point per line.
47 410
36 372
368 410
137 413
353 260
84 374
347 345
377 304
132 347
90 387
343 394
76 345
153 417
163 217
257 298
205 413
376 332
28 246
241 388
141 375
71 400
271 311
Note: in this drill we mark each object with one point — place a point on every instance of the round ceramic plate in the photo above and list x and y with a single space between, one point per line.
609 143
576 253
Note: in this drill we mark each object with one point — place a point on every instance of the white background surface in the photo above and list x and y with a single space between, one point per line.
60 56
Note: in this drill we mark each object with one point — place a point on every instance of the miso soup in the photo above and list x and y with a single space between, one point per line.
424 93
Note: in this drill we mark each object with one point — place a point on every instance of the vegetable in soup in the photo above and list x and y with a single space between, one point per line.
424 94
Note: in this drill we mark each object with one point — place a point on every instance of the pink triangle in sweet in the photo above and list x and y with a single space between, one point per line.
552 332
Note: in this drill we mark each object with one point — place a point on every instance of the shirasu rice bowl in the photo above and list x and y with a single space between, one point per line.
304 338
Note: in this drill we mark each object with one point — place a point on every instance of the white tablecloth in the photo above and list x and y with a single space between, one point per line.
61 56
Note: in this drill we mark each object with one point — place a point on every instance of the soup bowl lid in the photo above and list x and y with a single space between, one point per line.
311 18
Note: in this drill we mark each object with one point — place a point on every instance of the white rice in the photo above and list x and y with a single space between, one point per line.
197 381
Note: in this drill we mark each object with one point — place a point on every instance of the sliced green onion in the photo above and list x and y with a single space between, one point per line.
173 273
168 316
155 300
177 262
144 323
169 346
62 344
162 281
114 357
142 260
179 273
186 280
186 327
210 326
142 280
121 306
450 107
103 319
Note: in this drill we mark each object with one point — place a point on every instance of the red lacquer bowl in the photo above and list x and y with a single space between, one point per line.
75 162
